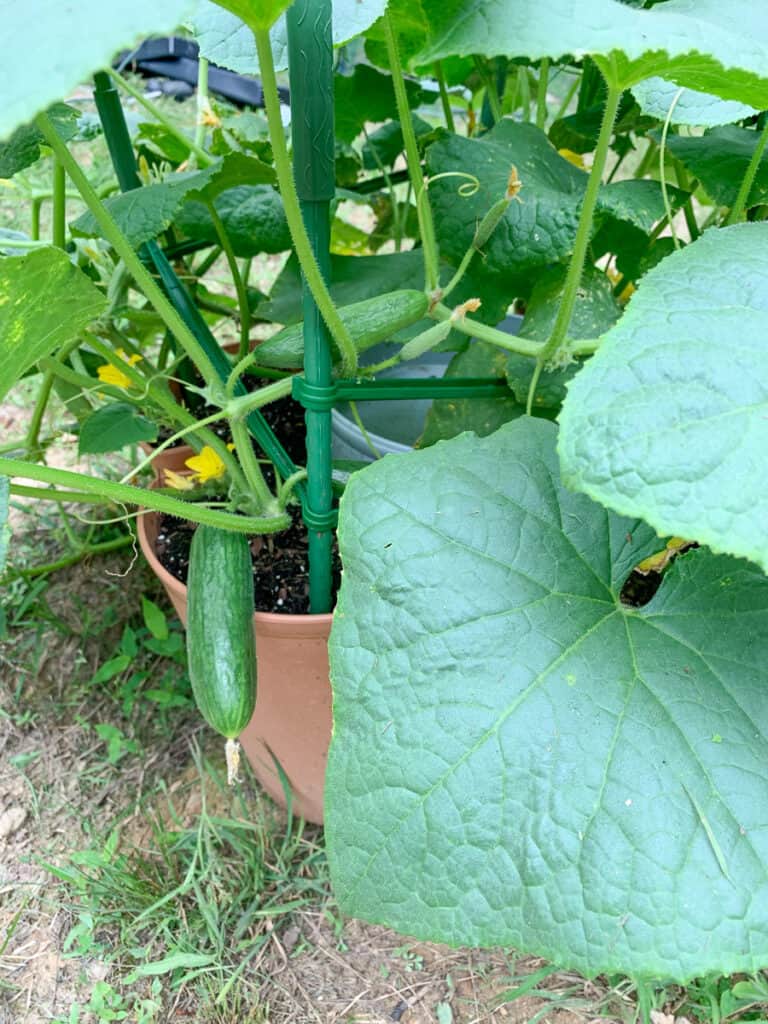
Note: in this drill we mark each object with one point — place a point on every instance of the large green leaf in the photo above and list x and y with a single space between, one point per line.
226 41
656 96
5 532
719 159
596 311
252 215
143 213
22 149
518 759
49 47
669 419
114 426
540 229
44 301
694 44
448 417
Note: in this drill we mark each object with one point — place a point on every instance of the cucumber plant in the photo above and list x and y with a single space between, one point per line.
523 753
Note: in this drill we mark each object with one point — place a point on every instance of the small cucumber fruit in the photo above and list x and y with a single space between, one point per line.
369 322
221 649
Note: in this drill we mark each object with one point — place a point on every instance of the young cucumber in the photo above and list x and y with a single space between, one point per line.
368 322
221 650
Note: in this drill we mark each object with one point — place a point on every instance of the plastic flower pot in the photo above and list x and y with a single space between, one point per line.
292 720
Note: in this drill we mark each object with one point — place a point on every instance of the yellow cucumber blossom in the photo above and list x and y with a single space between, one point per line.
207 465
573 158
178 481
109 374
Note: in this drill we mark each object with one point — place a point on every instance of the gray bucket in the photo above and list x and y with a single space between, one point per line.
393 425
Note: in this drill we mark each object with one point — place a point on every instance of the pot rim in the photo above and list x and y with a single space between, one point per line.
311 625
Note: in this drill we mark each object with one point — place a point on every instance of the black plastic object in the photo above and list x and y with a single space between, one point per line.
176 59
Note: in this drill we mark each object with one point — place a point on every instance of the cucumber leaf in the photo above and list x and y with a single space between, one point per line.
252 215
143 213
656 95
226 41
114 426
22 149
719 159
690 43
44 302
49 47
669 419
518 758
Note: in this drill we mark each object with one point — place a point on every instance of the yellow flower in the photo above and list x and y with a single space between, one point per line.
206 466
109 374
178 480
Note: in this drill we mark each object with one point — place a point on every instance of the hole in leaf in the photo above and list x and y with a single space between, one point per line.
645 579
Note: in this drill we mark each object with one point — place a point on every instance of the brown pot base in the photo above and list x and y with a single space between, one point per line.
292 720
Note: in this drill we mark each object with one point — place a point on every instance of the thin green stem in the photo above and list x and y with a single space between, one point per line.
663 170
203 103
203 158
35 226
486 76
424 209
207 261
46 494
541 94
474 329
169 442
737 210
253 474
237 280
581 244
647 160
285 180
362 428
123 248
126 494
524 93
59 205
32 440
88 551
286 488
445 98
690 217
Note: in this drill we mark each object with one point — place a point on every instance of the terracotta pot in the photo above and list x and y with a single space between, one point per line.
169 458
292 719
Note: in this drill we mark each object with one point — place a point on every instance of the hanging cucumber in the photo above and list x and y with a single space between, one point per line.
221 650
369 322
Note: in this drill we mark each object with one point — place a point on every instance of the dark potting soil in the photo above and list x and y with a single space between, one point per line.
280 563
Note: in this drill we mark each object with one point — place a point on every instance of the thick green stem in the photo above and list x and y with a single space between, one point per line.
541 94
445 98
59 205
737 210
424 208
123 248
583 234
35 226
125 494
253 474
46 494
285 180
203 158
237 280
474 329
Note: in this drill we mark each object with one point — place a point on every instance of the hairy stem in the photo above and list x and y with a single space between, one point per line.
445 98
424 209
583 233
737 210
126 494
285 180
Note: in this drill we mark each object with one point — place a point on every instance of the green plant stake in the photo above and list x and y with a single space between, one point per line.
310 52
